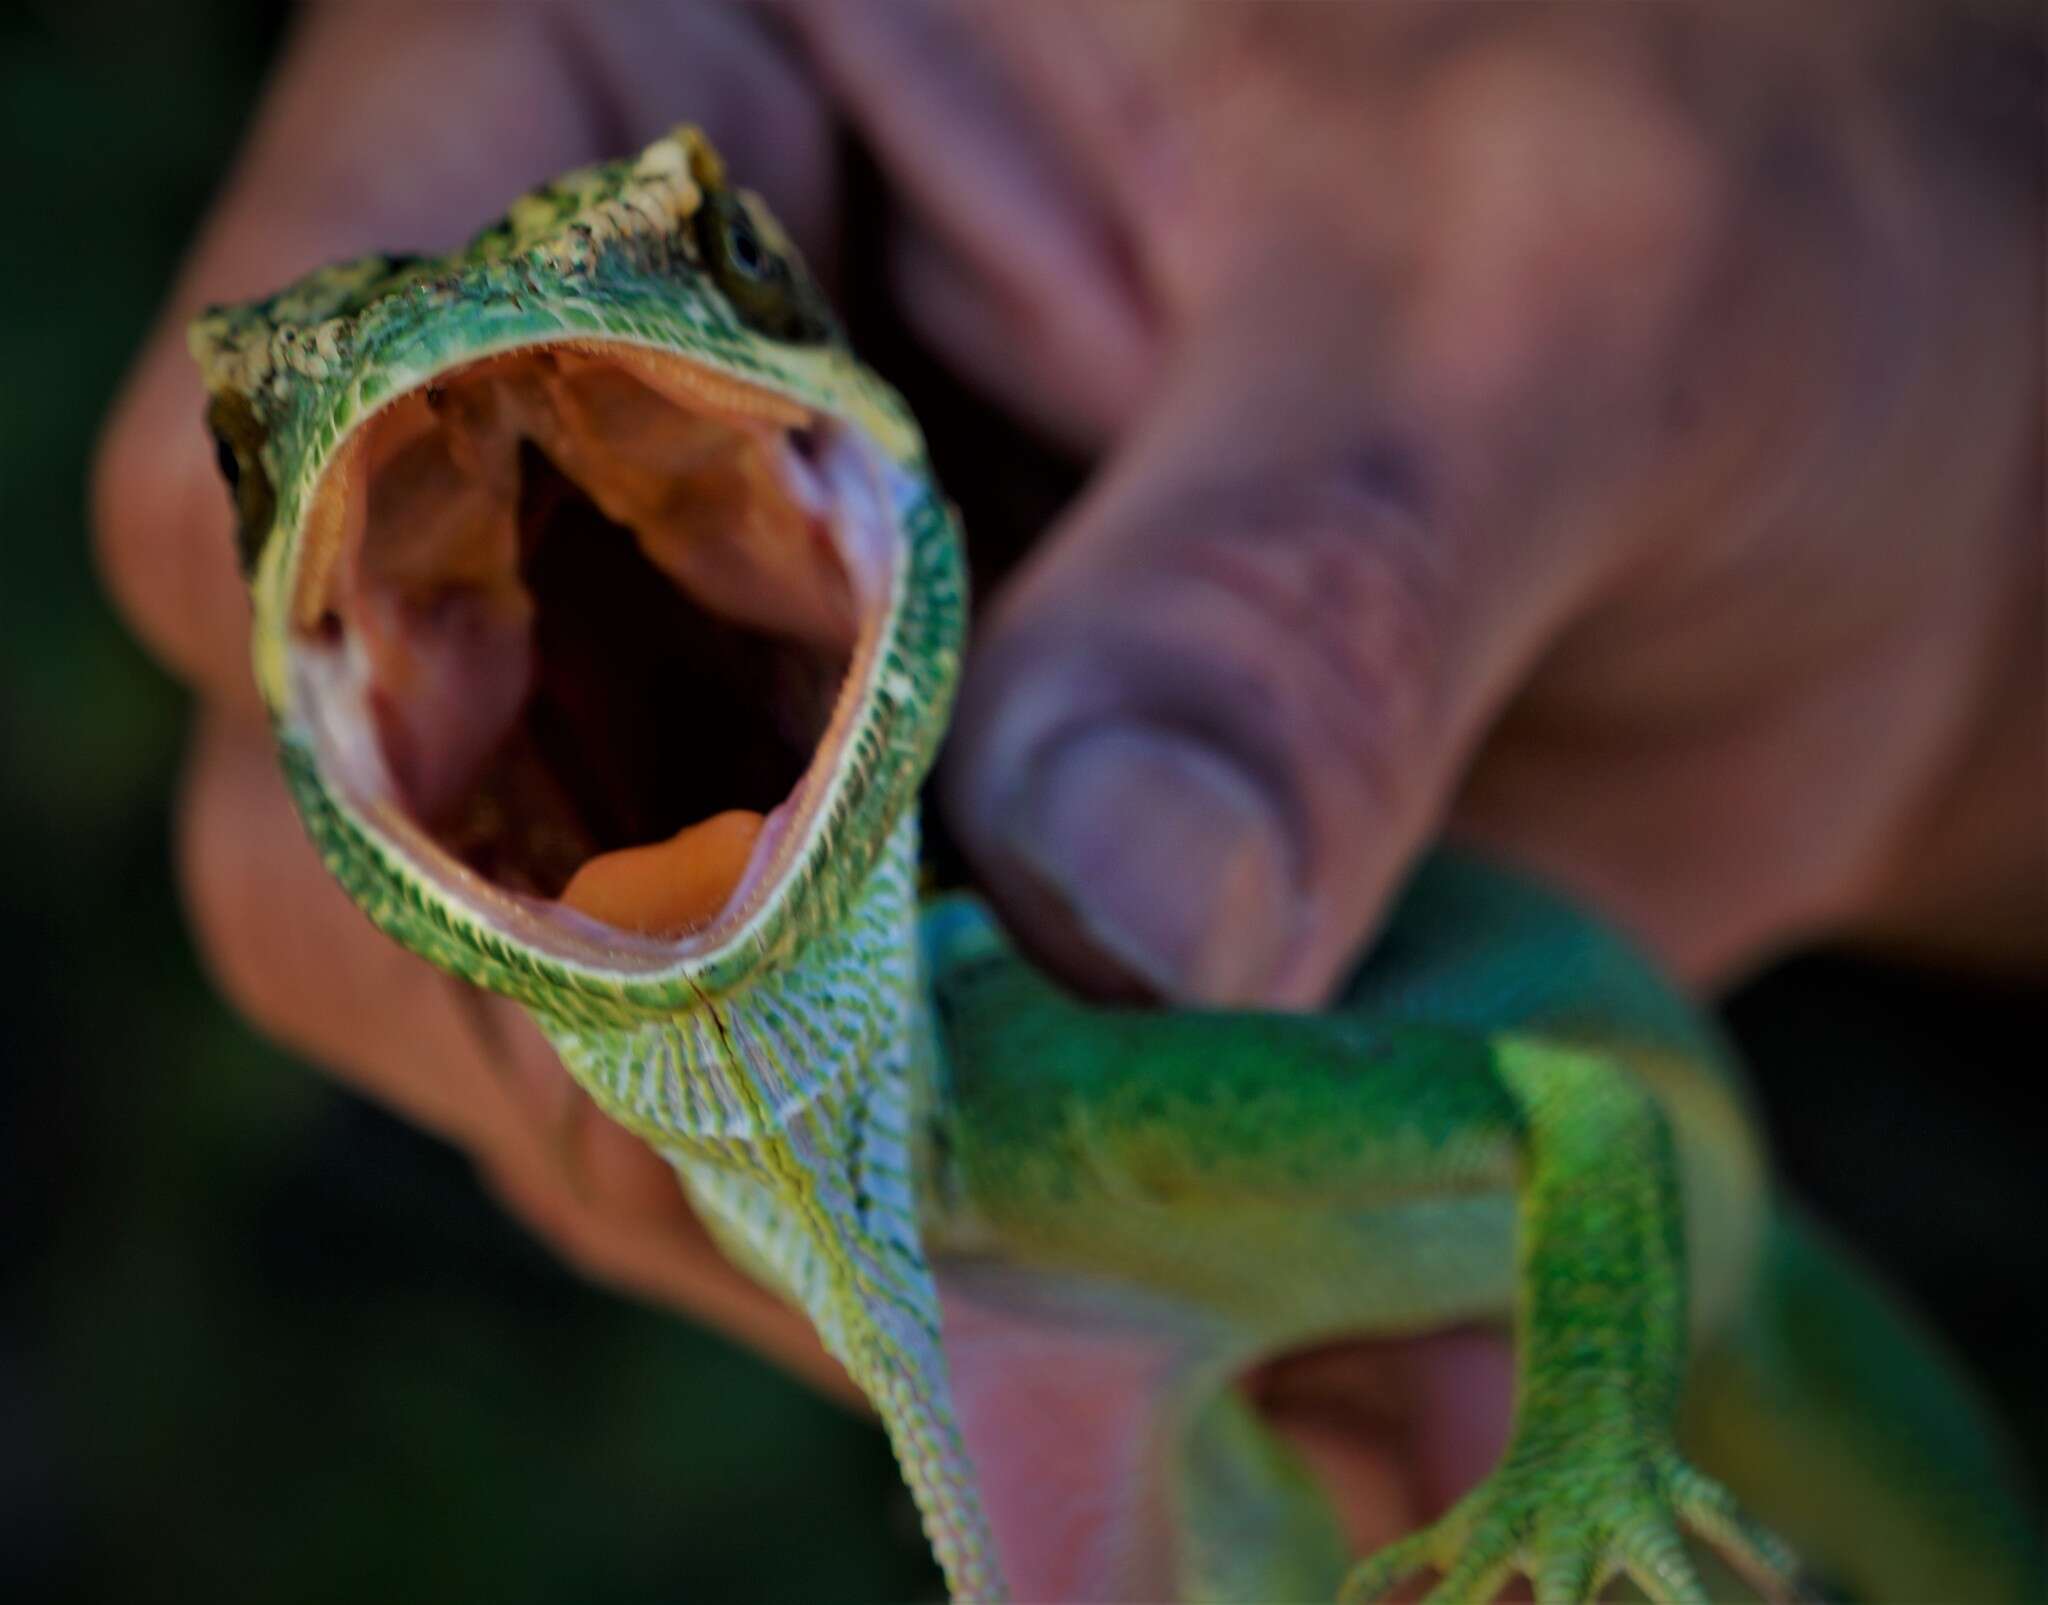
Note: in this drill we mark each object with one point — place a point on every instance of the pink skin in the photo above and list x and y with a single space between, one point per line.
1613 436
1065 1408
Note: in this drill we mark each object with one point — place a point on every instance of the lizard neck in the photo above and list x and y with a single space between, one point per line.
777 1065
796 1112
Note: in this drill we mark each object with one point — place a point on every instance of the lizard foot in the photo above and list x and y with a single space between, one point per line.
1569 1530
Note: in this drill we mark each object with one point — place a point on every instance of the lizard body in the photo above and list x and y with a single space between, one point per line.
699 873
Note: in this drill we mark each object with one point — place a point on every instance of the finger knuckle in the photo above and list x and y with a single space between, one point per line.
160 526
247 953
1334 601
122 490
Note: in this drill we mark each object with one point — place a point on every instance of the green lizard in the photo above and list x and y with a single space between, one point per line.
608 615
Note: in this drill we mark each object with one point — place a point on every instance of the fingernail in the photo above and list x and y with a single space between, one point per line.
1168 855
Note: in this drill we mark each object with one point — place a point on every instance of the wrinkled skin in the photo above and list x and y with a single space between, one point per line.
1611 436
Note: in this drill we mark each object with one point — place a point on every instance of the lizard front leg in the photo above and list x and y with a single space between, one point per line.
1293 1179
1592 1483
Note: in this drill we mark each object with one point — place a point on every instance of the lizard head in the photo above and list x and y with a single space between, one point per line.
603 602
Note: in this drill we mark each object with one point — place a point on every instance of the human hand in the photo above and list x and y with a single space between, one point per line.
1613 439
1530 421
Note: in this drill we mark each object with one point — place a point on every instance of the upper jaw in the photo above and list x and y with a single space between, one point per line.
527 734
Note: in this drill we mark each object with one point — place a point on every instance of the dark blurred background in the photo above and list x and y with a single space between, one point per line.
262 1342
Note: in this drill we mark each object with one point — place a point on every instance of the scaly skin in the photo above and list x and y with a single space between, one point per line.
1507 1117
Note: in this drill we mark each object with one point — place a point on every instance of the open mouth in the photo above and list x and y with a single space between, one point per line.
583 619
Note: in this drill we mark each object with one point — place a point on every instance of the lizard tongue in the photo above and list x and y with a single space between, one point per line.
667 889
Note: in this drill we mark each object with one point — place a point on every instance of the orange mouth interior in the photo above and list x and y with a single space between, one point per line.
590 608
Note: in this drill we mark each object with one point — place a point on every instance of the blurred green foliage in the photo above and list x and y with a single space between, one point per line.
261 1342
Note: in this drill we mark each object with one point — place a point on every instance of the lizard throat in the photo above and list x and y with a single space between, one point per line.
583 629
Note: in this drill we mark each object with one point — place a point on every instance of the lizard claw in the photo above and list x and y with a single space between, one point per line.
1569 1531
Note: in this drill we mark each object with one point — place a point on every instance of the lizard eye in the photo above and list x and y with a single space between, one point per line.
769 291
745 255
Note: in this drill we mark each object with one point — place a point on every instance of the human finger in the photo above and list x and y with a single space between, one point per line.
1212 722
295 956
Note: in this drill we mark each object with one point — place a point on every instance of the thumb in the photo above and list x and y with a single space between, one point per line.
1212 722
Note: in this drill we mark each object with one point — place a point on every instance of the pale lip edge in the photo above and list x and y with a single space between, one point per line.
857 492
